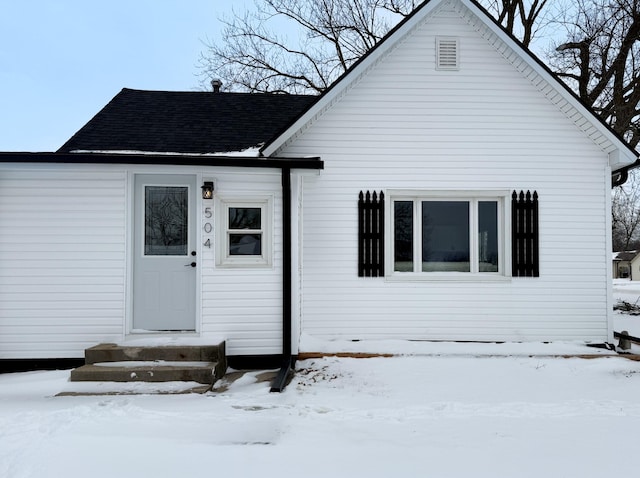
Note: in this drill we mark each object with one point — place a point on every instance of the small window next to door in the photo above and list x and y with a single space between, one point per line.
244 233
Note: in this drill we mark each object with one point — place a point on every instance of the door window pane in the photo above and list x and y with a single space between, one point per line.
445 236
488 236
403 236
166 211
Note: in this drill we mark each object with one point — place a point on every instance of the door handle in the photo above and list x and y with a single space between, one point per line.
193 264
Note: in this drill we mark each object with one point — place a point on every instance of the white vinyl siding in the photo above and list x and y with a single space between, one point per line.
62 261
244 304
406 125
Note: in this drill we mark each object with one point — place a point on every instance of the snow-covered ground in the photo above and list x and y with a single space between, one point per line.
442 410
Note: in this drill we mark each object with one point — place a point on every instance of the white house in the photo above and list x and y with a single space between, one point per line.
622 261
633 266
488 213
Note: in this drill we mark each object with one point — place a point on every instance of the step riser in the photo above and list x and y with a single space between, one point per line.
90 373
116 353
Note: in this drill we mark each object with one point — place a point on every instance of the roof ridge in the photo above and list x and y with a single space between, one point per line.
223 93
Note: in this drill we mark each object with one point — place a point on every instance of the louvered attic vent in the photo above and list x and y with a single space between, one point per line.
448 53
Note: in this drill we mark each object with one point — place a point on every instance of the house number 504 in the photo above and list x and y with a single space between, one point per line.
207 226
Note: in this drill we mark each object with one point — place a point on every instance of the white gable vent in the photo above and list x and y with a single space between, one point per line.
447 53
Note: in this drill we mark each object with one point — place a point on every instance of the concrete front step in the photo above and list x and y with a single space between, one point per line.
134 371
120 353
152 363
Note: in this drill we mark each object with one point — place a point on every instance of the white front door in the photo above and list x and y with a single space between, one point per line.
165 262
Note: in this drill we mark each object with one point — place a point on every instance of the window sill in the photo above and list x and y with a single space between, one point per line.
445 277
244 265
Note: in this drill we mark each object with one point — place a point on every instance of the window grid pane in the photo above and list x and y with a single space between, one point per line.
488 252
245 218
445 236
245 244
403 236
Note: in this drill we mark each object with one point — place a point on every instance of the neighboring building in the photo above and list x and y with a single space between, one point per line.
622 265
447 187
634 267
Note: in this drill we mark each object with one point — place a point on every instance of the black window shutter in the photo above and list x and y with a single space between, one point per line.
371 234
524 235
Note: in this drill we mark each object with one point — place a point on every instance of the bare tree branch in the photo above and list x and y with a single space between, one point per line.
600 60
599 55
625 205
522 18
333 34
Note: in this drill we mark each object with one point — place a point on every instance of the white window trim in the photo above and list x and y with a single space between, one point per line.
223 258
474 196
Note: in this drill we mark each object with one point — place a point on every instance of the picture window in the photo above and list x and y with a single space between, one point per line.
447 235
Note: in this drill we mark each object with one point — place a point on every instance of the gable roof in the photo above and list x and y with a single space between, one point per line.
621 154
624 255
186 122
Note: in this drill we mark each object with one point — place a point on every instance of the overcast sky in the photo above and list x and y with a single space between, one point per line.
61 61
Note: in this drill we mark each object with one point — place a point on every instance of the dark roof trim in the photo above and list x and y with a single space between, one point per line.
163 159
475 3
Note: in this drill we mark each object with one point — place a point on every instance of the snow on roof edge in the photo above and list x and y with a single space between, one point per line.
249 152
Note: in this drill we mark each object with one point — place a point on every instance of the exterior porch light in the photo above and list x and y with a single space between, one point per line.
207 190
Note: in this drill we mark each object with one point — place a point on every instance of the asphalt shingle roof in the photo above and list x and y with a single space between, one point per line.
187 122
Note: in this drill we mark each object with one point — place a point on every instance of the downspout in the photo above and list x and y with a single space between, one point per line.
281 379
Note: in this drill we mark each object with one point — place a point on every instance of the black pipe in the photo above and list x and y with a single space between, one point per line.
619 177
619 335
281 379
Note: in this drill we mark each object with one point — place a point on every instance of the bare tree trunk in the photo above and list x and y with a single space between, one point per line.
601 61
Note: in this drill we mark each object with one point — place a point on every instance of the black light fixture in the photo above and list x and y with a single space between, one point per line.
207 190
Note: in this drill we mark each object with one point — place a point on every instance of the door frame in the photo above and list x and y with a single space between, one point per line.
128 326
